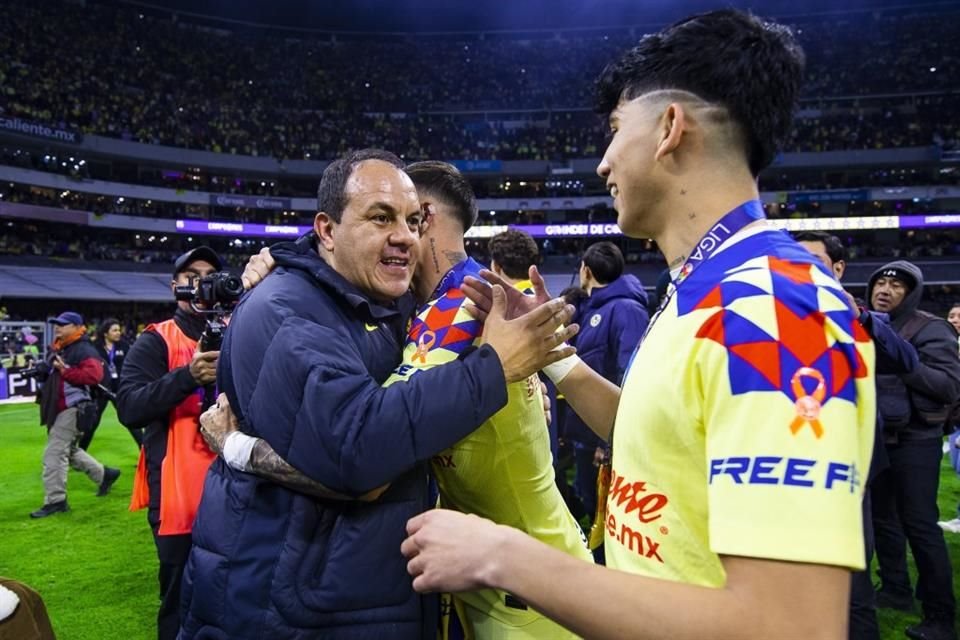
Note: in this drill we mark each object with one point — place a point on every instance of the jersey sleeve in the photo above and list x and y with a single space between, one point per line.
788 415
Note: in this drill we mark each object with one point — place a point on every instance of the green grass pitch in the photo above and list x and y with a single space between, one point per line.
96 566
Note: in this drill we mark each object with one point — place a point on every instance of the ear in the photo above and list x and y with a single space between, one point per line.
839 267
323 226
429 212
495 267
671 129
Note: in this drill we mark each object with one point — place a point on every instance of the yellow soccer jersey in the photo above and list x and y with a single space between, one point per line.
746 421
502 471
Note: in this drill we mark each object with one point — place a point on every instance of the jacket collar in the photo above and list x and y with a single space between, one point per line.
302 256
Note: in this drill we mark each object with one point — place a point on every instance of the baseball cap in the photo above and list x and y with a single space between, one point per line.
68 317
198 253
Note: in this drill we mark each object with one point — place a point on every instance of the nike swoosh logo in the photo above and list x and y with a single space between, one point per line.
371 327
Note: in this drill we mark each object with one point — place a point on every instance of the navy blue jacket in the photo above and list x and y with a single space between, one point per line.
612 321
302 363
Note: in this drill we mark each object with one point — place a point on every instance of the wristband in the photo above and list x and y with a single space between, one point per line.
560 369
237 449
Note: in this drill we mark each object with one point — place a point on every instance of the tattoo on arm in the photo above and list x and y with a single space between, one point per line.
676 262
266 463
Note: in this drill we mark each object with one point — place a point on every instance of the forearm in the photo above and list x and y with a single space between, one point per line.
894 354
596 602
140 401
266 463
592 397
355 436
85 373
148 390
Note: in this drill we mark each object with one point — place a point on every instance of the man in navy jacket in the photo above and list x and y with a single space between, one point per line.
302 365
612 319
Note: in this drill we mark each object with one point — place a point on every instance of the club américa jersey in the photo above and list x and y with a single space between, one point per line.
746 420
502 471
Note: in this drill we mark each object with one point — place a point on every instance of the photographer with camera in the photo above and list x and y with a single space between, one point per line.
166 375
67 411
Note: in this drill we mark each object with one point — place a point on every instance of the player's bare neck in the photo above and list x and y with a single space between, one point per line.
694 211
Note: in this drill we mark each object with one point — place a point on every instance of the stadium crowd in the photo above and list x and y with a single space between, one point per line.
227 103
311 520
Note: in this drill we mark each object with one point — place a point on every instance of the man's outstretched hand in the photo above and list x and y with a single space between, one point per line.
531 341
480 293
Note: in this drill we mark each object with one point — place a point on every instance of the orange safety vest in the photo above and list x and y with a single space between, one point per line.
188 457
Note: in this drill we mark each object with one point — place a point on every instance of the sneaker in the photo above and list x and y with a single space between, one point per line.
50 509
953 526
933 629
888 600
110 476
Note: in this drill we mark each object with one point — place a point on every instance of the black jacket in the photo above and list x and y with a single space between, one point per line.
119 355
148 392
934 383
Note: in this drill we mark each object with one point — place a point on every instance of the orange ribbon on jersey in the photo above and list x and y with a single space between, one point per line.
807 405
427 340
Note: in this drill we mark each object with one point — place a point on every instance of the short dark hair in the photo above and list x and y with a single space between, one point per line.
605 261
105 327
515 252
750 67
443 180
835 249
331 194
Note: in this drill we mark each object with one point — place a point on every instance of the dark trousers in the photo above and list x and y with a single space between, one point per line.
172 552
102 402
905 509
863 601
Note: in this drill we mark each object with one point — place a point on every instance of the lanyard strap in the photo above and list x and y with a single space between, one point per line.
718 235
729 225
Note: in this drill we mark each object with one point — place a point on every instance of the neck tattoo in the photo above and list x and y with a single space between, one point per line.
433 252
454 257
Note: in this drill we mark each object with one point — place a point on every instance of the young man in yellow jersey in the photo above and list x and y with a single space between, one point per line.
504 469
745 424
